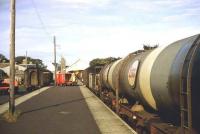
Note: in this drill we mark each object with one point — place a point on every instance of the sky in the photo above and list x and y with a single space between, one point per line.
88 29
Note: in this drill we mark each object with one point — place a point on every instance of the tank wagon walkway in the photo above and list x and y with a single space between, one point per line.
65 110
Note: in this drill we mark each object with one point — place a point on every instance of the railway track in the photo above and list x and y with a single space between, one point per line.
4 97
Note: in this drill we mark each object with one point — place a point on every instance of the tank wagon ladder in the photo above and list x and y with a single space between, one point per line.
185 91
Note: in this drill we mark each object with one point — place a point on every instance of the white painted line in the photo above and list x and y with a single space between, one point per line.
22 99
106 119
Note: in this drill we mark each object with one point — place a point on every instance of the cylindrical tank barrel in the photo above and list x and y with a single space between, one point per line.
113 73
165 77
104 76
128 76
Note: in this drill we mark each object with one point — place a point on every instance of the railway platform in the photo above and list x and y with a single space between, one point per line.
65 110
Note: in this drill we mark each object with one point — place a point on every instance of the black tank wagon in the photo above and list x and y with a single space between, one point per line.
165 81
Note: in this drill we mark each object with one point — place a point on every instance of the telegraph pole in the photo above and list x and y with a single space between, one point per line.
26 61
55 65
12 57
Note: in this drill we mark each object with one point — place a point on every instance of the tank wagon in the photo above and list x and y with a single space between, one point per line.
158 89
91 78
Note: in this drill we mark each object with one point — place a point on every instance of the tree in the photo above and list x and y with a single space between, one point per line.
38 62
102 61
19 59
149 47
3 59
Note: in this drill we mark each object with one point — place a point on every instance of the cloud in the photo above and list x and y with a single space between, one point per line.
88 2
81 4
193 10
176 17
153 6
89 29
171 3
146 6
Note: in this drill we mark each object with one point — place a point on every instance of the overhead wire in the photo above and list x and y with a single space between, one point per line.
43 26
40 19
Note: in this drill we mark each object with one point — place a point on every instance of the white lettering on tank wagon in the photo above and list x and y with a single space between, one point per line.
132 73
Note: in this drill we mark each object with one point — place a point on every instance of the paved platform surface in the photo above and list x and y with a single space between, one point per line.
107 121
64 110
